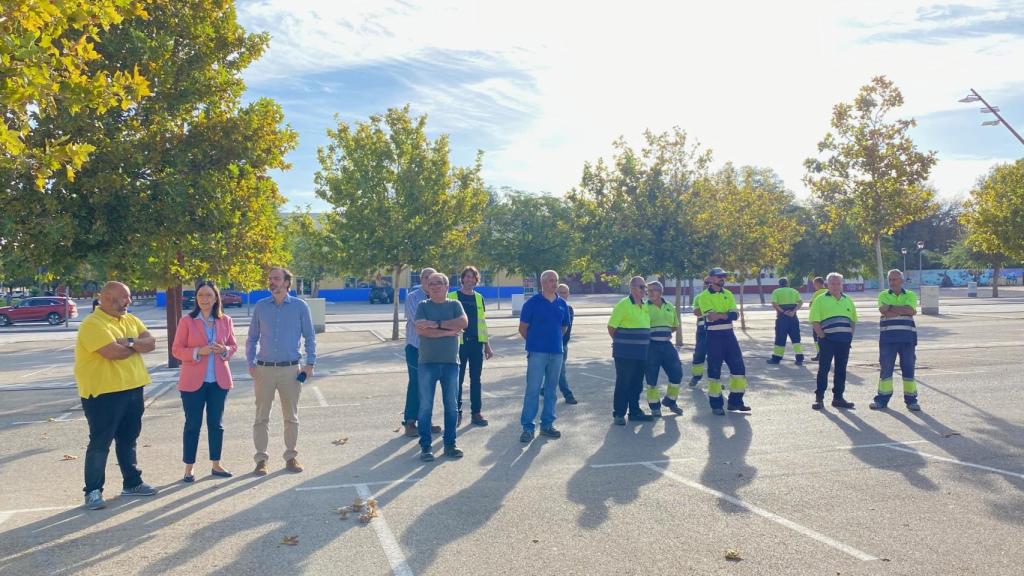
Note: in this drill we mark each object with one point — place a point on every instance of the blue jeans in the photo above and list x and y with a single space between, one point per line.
429 374
412 390
542 370
210 397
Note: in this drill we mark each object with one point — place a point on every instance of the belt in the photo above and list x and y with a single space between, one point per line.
262 363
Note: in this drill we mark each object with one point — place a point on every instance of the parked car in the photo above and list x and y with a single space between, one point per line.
382 295
188 299
229 298
39 309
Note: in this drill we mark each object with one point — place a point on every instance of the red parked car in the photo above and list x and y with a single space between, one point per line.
39 309
229 298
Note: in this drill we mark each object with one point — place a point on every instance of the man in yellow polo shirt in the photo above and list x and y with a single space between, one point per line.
111 375
630 329
834 318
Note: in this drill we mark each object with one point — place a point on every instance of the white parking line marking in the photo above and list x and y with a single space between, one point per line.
864 556
63 417
955 461
598 377
399 566
329 406
38 371
319 396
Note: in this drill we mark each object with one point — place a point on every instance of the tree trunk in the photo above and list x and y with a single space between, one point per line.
394 317
173 315
679 300
760 287
995 281
691 295
878 262
743 317
316 289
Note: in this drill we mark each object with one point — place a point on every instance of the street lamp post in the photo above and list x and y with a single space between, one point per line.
920 271
989 109
904 252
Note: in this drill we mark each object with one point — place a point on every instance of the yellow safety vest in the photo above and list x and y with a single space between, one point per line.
481 317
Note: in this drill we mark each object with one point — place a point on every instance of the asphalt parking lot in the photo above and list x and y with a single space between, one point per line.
784 490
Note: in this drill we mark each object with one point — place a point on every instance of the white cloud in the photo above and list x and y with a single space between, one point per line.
755 81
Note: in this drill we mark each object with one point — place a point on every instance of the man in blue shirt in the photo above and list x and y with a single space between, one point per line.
272 352
542 323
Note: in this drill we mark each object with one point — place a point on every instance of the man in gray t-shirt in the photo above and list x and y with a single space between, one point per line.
439 323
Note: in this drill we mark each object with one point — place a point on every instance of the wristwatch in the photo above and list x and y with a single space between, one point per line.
131 343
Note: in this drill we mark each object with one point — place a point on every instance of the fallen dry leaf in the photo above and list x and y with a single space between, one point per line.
536 541
340 441
733 555
69 457
396 430
290 541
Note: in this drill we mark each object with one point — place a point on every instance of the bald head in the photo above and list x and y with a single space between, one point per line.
115 298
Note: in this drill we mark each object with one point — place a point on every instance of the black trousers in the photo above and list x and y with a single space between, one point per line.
840 352
114 417
471 353
629 383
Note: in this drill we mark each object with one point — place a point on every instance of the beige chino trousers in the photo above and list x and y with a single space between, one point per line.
268 381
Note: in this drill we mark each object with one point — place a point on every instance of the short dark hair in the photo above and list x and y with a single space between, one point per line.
216 310
470 270
783 282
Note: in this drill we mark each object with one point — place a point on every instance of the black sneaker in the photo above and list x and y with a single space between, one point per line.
914 407
452 451
571 400
427 456
814 358
640 417
819 403
550 432
737 408
841 403
479 420
672 405
618 420
877 406
694 380
774 360
526 436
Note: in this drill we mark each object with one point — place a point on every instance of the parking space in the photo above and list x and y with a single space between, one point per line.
785 490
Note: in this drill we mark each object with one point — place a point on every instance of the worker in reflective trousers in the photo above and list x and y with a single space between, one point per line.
786 301
700 342
719 308
661 353
897 336
819 289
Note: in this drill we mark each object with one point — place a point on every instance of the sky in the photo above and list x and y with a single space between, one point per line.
542 87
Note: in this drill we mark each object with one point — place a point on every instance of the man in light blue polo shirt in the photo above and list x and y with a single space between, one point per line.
542 322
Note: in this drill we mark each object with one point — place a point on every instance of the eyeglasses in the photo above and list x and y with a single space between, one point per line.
435 284
202 283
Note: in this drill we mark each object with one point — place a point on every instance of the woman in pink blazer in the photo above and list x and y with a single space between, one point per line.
204 342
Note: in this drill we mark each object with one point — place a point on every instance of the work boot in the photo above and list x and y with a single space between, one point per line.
841 403
877 406
640 417
655 412
914 407
719 411
672 405
292 465
261 468
775 360
694 380
814 358
799 360
819 403
410 429
478 419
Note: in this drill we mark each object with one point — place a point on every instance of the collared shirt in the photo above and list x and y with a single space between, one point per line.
211 337
277 329
544 319
663 320
721 302
97 375
412 302
568 330
837 316
632 326
898 329
696 306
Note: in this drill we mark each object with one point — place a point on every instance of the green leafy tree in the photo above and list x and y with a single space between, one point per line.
527 234
818 251
315 252
754 228
49 63
177 187
869 173
398 199
994 213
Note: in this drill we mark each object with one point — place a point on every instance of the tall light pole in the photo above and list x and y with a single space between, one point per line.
989 109
904 252
920 272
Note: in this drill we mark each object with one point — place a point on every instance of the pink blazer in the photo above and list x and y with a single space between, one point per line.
190 336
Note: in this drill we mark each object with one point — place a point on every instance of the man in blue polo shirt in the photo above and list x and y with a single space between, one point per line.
542 322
